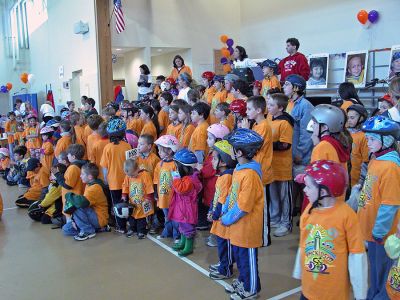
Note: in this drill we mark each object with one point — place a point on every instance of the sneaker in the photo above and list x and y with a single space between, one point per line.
212 241
281 231
153 230
214 267
230 289
82 236
160 237
130 233
274 225
218 276
177 241
141 236
119 230
243 295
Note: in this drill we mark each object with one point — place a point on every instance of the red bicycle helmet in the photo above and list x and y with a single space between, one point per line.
208 75
330 175
388 99
238 106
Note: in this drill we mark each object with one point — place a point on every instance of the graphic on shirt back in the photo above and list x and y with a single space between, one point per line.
319 256
233 195
366 192
394 277
165 182
136 192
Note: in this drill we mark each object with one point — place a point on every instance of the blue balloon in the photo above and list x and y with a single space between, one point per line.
373 16
224 60
229 42
3 89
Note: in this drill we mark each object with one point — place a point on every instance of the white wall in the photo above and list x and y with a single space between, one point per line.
179 23
54 44
119 68
133 60
161 64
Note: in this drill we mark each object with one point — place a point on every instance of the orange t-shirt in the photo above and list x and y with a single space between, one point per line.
229 122
248 191
72 177
37 182
229 98
47 156
33 143
135 124
113 159
175 73
381 186
359 155
98 202
98 153
264 155
91 141
10 128
163 121
198 142
327 237
80 138
139 191
19 138
219 97
174 130
346 104
282 132
163 179
62 144
269 83
148 163
222 187
86 132
149 128
209 94
185 135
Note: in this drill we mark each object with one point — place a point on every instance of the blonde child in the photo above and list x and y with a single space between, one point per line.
137 188
355 70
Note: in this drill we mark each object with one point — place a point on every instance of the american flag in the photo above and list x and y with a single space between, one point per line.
119 16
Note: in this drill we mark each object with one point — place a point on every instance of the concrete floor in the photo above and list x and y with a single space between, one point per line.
37 262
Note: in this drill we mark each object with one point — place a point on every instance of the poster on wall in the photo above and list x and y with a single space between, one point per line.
319 66
394 66
355 70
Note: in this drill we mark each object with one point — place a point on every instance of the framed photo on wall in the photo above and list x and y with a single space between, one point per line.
319 64
355 69
394 66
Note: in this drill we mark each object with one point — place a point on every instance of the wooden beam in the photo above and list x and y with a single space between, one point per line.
103 35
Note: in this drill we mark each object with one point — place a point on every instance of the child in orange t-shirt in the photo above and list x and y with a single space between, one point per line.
207 80
47 151
379 200
174 126
187 127
98 147
4 162
94 122
198 142
10 128
163 116
36 177
19 136
146 158
270 81
78 122
229 80
280 189
33 142
256 106
67 137
137 188
331 249
150 121
219 96
223 114
112 162
71 181
167 145
243 212
133 120
223 163
356 115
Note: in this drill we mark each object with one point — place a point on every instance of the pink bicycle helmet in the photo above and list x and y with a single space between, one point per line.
168 141
218 130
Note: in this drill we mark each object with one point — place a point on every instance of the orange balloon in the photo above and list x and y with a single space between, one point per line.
9 86
24 77
223 38
362 16
227 68
225 52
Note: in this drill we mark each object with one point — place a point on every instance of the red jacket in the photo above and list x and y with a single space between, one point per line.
294 64
208 178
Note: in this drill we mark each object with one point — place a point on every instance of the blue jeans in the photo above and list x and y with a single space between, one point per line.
170 227
380 265
85 220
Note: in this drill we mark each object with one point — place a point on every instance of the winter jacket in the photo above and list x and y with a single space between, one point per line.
208 178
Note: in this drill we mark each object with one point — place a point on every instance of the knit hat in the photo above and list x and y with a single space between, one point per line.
388 140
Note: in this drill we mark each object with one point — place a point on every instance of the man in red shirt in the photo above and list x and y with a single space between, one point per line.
295 63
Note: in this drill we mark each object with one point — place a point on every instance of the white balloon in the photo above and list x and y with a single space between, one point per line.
31 78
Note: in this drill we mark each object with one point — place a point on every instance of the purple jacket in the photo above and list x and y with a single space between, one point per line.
183 206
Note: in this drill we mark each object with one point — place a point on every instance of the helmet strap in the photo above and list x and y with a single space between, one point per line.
320 132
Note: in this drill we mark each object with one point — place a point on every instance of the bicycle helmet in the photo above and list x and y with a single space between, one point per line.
116 126
270 64
219 78
297 80
238 106
361 110
123 210
46 130
185 157
218 130
382 126
331 116
247 140
208 75
225 151
168 141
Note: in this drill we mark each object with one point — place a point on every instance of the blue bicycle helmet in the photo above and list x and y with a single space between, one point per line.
246 140
297 80
219 78
185 157
270 64
383 126
116 126
52 123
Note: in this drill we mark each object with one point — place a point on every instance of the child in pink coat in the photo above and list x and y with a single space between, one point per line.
183 207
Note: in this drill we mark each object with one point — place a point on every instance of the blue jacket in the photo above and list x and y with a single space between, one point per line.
302 144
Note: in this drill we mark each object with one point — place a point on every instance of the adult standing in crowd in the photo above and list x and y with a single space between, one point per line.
179 67
295 62
144 83
241 60
19 108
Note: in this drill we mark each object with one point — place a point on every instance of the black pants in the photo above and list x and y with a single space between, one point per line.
302 297
46 219
202 213
138 225
115 199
